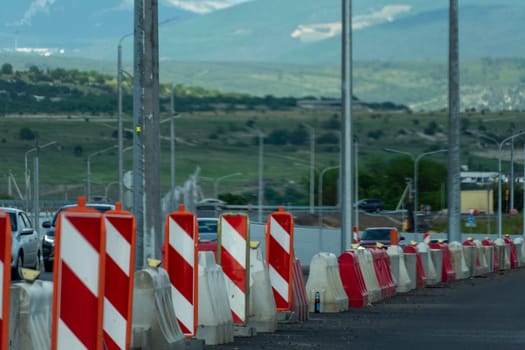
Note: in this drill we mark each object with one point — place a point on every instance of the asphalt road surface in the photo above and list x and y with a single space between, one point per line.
479 313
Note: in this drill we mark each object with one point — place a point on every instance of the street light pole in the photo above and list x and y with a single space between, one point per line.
89 169
260 197
26 170
500 146
312 165
416 160
120 132
320 201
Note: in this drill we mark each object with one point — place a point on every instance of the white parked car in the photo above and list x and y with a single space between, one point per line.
26 247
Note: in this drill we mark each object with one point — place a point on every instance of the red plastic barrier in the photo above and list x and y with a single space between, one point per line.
383 273
299 298
421 278
352 279
447 271
513 255
488 242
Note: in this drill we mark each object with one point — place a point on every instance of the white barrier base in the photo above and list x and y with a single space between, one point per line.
154 320
215 324
263 311
31 315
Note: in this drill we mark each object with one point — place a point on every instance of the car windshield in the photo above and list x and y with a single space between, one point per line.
377 234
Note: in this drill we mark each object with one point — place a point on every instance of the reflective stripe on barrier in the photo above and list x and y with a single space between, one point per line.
233 256
181 242
299 299
120 269
279 257
78 287
5 277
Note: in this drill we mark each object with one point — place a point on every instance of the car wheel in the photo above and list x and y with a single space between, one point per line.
16 274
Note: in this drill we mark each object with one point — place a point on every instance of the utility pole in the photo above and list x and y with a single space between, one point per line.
453 179
346 99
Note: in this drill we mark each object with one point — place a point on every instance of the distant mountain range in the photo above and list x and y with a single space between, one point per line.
298 31
291 47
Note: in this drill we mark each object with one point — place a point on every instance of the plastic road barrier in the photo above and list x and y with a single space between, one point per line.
352 279
503 253
5 277
325 279
263 312
520 250
181 261
491 254
383 273
78 287
279 257
458 261
31 303
428 264
155 325
120 269
233 255
513 256
366 263
448 274
471 253
215 317
399 269
421 279
299 298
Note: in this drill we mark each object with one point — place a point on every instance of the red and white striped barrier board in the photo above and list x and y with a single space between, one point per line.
279 257
233 255
181 243
78 283
120 267
5 277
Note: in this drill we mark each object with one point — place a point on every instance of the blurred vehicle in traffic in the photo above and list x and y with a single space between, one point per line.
373 205
208 234
48 242
373 235
210 204
26 249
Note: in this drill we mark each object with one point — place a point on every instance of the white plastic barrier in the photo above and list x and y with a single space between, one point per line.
458 260
486 256
263 311
215 318
30 322
155 325
482 257
366 264
437 258
520 250
324 279
397 261
428 264
410 263
503 253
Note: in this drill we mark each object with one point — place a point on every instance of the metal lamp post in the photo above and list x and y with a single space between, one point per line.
216 182
26 170
89 169
500 146
416 160
320 201
312 165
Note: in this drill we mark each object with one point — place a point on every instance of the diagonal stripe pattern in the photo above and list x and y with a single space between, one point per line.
233 257
78 283
182 238
279 255
118 293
